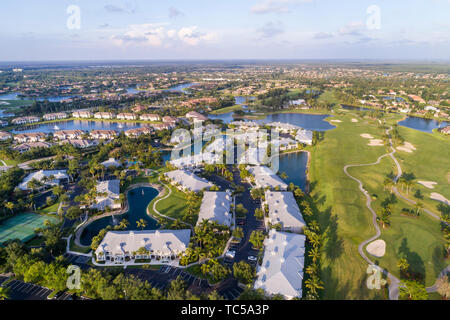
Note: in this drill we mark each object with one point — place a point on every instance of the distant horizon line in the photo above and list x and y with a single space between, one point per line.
384 60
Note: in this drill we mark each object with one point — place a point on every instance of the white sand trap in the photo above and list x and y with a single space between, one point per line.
377 248
366 136
354 120
335 121
407 147
439 197
427 184
376 143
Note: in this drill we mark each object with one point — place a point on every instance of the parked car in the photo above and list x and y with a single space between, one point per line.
230 254
252 258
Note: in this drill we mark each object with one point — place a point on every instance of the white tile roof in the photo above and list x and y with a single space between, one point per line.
112 190
111 162
41 174
188 180
304 136
216 207
158 241
281 271
284 209
264 177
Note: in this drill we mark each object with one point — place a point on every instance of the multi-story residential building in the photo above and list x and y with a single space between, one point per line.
103 115
82 114
30 137
126 116
150 117
54 116
103 134
68 134
25 120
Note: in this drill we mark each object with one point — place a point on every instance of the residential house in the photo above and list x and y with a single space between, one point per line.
30 137
54 116
108 195
150 117
126 116
164 246
48 178
281 271
186 180
68 134
82 114
284 211
216 206
25 120
103 134
24 147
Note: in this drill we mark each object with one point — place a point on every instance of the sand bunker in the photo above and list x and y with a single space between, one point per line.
407 147
366 135
427 184
354 120
377 248
439 197
335 121
376 143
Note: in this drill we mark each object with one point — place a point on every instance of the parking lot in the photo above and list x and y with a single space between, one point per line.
20 290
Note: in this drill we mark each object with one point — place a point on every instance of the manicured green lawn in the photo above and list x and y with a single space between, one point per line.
52 209
418 239
227 109
174 206
344 216
430 162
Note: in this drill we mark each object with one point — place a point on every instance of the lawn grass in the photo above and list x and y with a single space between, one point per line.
74 247
344 216
52 209
430 162
418 239
227 109
174 206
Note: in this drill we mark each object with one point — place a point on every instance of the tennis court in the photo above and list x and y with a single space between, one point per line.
22 226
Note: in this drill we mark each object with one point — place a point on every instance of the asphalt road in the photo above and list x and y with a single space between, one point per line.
20 290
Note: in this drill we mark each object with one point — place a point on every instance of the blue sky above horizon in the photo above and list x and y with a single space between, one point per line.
232 29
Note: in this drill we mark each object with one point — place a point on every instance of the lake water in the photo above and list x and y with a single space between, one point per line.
85 125
138 210
294 165
347 107
421 124
307 121
15 96
180 87
241 100
304 120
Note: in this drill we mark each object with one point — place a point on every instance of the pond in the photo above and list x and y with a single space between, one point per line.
304 120
347 107
181 87
294 165
85 125
422 124
307 121
138 200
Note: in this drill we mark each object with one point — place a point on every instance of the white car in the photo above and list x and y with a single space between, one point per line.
252 258
231 254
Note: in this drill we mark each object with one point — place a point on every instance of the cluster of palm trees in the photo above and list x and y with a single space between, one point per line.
209 241
313 233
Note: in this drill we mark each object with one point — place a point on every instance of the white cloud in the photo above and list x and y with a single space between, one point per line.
157 35
191 36
277 6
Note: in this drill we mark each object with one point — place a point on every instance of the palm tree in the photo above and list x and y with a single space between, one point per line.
403 265
4 293
10 206
418 206
314 284
141 224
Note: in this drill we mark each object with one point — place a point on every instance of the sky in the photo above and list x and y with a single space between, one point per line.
48 30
